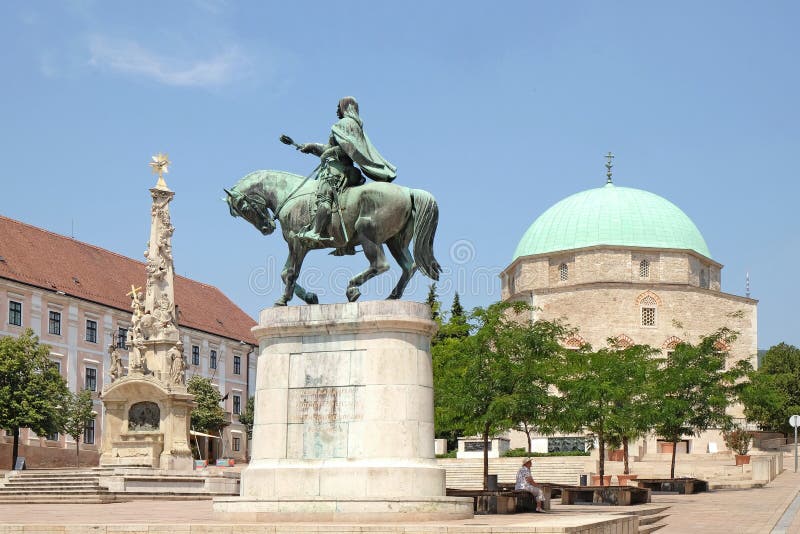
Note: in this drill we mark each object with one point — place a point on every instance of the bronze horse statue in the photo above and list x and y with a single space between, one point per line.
368 215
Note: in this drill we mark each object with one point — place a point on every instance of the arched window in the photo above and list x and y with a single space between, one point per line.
648 306
563 272
644 269
622 342
573 342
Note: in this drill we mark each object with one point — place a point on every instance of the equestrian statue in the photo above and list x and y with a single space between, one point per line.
334 208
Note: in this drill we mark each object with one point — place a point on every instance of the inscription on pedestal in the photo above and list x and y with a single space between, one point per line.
319 418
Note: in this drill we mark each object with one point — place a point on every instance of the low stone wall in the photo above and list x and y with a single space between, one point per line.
37 457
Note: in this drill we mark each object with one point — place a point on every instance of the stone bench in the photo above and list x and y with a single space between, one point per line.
613 495
505 500
682 486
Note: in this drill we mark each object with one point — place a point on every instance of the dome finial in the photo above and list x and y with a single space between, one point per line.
609 165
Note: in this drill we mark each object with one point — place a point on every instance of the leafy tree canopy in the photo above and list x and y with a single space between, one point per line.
772 394
79 411
32 391
694 388
208 415
247 416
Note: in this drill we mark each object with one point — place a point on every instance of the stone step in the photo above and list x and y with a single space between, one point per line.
651 519
88 491
735 484
57 499
23 487
647 529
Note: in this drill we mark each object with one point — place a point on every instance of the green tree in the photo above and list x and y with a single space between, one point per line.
456 310
479 378
247 416
693 388
538 364
78 412
32 392
772 393
606 392
433 301
208 416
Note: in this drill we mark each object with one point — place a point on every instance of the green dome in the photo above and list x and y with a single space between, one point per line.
612 215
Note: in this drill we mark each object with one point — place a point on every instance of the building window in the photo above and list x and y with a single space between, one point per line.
195 355
563 272
122 338
55 323
237 404
704 278
237 365
648 316
14 313
237 444
52 437
91 379
91 331
57 364
648 306
213 359
644 269
88 432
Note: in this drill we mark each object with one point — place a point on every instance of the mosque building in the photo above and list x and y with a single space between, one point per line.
623 263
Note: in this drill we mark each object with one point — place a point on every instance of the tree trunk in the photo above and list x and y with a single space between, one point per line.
15 447
486 456
77 453
625 471
601 443
674 452
528 430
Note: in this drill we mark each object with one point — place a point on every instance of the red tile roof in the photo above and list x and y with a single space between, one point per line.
34 256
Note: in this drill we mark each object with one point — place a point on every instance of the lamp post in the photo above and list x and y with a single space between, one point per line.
795 422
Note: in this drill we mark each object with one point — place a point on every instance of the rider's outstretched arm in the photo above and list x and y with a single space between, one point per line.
313 148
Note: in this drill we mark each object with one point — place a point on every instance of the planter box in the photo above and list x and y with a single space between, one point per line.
742 459
683 486
596 480
624 479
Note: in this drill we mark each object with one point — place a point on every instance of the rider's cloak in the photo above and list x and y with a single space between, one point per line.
351 137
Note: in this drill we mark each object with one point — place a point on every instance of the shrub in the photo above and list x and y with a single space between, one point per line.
738 440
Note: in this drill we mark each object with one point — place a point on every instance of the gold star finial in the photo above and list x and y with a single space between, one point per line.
160 165
609 166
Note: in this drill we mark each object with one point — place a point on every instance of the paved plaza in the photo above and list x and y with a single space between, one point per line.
755 511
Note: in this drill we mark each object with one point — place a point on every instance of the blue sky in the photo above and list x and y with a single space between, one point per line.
499 110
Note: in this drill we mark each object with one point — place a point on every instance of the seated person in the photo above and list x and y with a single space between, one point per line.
525 483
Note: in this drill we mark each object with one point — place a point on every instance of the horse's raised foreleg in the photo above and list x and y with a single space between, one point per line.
398 246
291 270
377 265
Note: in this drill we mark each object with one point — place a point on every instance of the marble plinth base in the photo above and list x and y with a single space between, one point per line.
344 417
327 509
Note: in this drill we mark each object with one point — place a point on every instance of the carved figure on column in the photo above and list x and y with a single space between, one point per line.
116 362
177 369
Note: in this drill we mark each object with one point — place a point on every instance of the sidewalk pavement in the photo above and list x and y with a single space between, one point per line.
747 511
743 511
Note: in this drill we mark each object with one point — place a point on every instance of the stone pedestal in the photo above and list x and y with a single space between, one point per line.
131 439
344 418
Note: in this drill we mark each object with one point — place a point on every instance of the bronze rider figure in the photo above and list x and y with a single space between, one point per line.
347 146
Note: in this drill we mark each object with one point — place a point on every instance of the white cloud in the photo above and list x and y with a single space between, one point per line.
130 57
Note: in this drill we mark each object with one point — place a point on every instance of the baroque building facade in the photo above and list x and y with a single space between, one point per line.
622 263
73 295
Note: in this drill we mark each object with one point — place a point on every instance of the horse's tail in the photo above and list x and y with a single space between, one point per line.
425 213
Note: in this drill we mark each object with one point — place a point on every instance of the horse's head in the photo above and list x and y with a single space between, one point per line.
252 208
